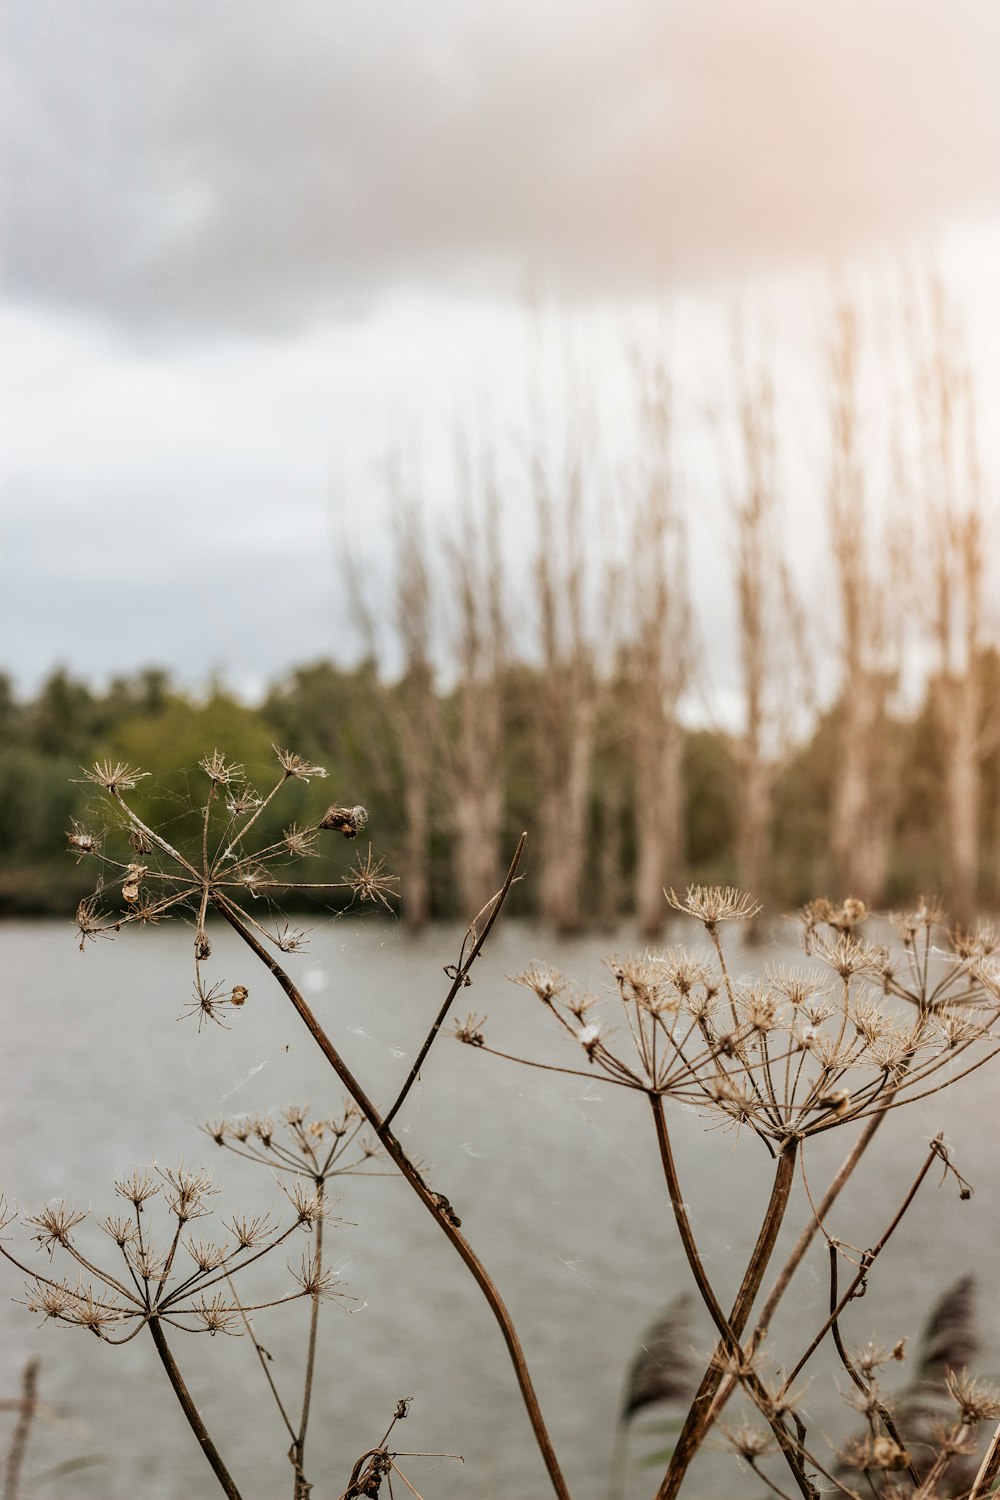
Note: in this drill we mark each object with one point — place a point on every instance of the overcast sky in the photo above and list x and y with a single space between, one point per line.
248 248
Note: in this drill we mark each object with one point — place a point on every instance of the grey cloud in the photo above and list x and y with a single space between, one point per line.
245 164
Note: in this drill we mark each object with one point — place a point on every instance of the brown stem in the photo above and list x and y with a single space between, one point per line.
699 1414
298 1449
189 1409
988 1470
868 1391
436 1204
461 978
27 1407
802 1244
868 1260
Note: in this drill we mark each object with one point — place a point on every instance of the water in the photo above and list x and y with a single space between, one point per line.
557 1181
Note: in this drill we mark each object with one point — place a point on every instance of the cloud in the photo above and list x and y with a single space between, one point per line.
247 166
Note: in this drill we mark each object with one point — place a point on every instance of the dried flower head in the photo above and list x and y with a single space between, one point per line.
300 842
81 841
90 921
977 1400
470 1030
114 776
346 820
219 770
711 904
296 765
54 1225
546 983
368 881
751 1443
315 1280
218 1315
137 1188
242 799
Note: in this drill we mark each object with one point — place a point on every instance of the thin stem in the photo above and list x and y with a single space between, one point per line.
805 1239
461 976
731 1328
157 838
867 1261
261 1352
299 1445
197 1426
988 1469
867 1391
435 1203
27 1407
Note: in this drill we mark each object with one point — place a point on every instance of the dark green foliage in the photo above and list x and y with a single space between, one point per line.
357 726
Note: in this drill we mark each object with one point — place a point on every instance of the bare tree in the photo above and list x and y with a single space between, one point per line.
660 651
950 467
480 648
567 707
417 707
861 814
768 619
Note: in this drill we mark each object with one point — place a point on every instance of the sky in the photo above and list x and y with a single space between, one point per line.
250 252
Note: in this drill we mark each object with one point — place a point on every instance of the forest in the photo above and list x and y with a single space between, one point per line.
864 756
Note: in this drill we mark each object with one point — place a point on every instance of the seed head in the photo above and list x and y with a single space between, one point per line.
54 1225
299 842
218 770
218 1315
470 1030
137 1188
977 1400
711 904
547 983
249 1231
296 765
114 776
346 820
751 1443
81 841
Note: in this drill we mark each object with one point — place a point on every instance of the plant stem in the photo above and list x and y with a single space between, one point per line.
298 1450
868 1260
461 976
805 1239
699 1415
989 1469
189 1409
435 1203
19 1440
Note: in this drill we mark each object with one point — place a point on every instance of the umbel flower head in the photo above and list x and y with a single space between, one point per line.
227 865
179 1276
296 1145
793 1053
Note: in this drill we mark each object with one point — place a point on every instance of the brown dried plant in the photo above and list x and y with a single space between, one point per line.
860 1030
787 1057
179 1280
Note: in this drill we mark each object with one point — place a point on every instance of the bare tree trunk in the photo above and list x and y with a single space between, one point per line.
659 806
481 640
861 825
766 623
958 709
610 845
951 469
567 710
660 657
861 803
417 709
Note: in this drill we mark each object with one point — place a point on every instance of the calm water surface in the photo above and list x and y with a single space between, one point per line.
557 1181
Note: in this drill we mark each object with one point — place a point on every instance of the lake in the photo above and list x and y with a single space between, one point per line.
557 1181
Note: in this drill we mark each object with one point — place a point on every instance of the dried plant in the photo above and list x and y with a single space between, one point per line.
860 1030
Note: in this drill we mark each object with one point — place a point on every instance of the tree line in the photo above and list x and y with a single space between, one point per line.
553 693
